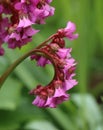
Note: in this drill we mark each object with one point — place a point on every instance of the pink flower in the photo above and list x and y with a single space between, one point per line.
24 22
68 31
20 37
53 102
17 18
40 102
64 52
59 97
38 15
37 11
69 83
42 61
68 64
56 91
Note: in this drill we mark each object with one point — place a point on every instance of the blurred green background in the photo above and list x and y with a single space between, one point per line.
84 110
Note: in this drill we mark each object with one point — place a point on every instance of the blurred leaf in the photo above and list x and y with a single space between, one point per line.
3 64
97 89
10 94
24 112
8 121
99 20
40 125
102 98
90 110
62 119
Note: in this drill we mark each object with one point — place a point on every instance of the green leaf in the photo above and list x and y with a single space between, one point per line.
8 121
3 64
10 94
88 112
102 98
62 119
40 125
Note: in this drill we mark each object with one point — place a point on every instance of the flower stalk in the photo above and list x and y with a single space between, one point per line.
16 30
64 65
21 59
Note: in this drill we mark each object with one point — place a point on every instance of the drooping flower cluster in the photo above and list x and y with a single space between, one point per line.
64 65
17 18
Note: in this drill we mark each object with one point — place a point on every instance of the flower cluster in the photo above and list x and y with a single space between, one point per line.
64 65
17 18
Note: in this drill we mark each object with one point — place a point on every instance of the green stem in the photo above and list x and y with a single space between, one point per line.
18 61
12 67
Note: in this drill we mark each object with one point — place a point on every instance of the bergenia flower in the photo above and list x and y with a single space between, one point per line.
20 37
68 32
24 22
56 91
64 52
17 18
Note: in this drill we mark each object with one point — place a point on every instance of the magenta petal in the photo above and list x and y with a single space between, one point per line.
52 102
15 36
48 1
70 27
49 103
69 30
64 52
39 102
59 92
59 100
68 64
30 31
25 22
72 36
68 84
42 61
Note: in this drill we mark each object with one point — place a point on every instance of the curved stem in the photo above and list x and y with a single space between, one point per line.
12 67
43 43
18 61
